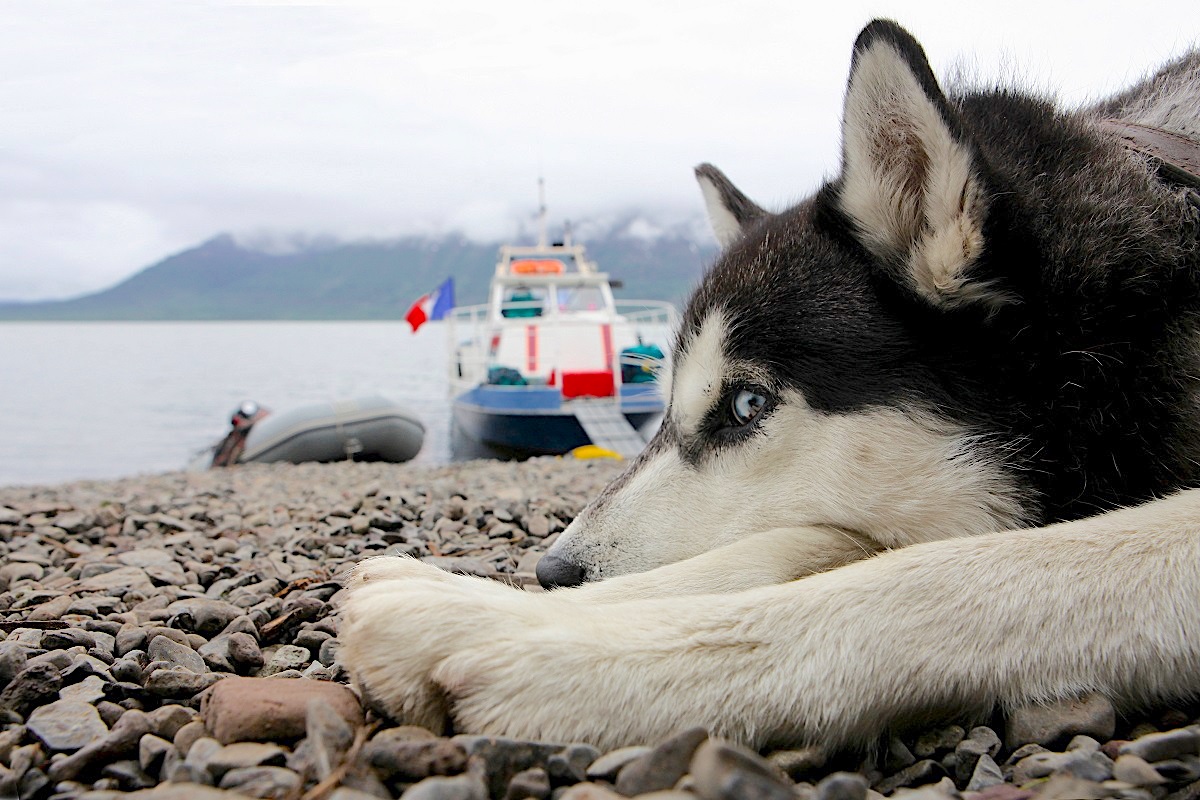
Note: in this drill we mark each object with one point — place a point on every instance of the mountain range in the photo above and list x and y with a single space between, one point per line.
223 279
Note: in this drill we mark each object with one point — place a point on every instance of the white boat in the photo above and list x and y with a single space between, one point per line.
552 362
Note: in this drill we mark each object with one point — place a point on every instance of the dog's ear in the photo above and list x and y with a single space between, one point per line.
729 211
910 180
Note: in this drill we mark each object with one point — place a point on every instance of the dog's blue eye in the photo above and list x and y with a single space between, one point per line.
745 406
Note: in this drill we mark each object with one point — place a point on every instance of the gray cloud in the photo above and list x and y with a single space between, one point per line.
136 128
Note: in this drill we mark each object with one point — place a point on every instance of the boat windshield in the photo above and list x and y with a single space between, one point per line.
580 297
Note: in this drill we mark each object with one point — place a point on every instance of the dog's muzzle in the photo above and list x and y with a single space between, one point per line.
554 572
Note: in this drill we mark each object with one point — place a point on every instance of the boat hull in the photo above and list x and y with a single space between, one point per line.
364 429
520 422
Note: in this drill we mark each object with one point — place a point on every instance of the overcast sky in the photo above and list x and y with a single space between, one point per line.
130 130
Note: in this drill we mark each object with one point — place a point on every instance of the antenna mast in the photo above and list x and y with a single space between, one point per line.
541 212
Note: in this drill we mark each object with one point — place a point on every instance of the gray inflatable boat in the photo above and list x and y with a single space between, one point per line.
363 429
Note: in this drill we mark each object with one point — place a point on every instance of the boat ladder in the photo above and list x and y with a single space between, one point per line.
607 427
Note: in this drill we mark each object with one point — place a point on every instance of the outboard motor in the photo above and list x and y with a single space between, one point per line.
230 449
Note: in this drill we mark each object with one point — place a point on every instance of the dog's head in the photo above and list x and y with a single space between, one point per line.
816 376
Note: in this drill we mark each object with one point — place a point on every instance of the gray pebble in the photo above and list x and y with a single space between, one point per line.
842 786
1082 742
919 774
244 651
1092 766
126 669
1161 746
178 683
202 615
151 752
67 725
414 760
606 767
938 740
312 640
722 771
286 657
460 787
328 652
979 742
985 774
59 659
128 774
167 720
89 690
13 658
329 736
200 753
240 755
120 741
216 654
35 684
68 637
571 764
188 735
130 638
531 783
1023 752
662 766
276 783
110 712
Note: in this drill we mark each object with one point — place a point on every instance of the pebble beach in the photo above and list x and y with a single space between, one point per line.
175 636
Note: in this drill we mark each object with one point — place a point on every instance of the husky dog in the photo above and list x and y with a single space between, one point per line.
924 456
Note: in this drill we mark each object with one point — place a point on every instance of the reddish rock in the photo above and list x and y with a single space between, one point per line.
268 709
1045 724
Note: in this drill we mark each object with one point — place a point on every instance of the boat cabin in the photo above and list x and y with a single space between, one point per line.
552 316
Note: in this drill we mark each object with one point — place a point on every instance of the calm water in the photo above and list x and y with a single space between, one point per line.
111 399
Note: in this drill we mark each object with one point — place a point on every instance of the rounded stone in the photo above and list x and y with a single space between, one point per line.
164 649
722 771
67 725
841 786
662 766
1092 715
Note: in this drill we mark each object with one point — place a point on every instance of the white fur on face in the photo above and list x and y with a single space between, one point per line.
894 476
701 371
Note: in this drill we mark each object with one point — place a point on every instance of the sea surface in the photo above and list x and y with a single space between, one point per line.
115 399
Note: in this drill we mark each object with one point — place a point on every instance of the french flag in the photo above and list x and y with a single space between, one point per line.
431 306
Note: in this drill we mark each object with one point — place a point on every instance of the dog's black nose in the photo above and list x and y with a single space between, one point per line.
554 572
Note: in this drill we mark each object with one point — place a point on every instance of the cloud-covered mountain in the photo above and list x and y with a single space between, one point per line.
245 278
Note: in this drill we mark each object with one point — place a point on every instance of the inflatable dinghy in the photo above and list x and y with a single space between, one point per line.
363 429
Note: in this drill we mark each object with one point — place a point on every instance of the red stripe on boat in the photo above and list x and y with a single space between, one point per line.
606 335
531 344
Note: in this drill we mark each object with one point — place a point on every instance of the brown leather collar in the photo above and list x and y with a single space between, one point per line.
1178 157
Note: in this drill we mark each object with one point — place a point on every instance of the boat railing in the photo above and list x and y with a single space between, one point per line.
471 328
466 329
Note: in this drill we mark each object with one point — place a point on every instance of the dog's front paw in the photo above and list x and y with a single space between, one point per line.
404 620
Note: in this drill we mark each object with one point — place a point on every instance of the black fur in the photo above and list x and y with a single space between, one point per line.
1085 386
744 210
